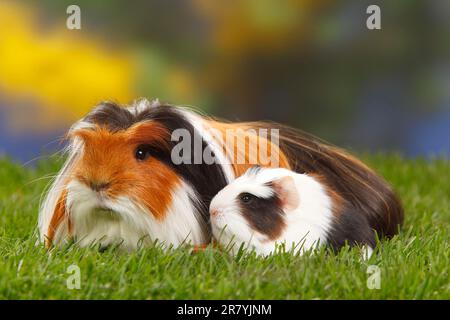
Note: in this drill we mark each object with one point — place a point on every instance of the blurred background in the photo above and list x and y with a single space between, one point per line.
311 64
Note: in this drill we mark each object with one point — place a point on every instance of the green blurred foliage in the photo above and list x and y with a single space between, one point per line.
307 63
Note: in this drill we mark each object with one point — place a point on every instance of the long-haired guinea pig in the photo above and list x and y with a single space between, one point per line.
119 183
267 207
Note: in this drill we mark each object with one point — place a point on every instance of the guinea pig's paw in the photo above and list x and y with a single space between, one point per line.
204 246
199 247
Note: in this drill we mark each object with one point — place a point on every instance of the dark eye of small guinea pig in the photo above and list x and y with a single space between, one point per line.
246 197
142 152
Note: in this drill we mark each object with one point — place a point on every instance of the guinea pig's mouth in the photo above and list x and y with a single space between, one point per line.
101 210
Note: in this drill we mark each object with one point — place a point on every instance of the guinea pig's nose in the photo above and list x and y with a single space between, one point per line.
98 185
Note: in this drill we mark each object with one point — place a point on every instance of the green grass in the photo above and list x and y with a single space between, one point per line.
414 265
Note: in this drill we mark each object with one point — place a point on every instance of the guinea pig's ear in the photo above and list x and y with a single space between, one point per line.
287 193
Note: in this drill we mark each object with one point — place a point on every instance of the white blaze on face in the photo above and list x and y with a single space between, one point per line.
229 226
306 226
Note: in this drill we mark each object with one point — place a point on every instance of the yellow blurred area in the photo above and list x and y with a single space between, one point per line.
291 61
263 25
64 74
252 28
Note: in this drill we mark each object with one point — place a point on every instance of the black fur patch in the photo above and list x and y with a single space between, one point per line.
264 215
360 186
112 116
352 227
206 179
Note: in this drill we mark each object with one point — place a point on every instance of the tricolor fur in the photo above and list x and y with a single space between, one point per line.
268 207
102 194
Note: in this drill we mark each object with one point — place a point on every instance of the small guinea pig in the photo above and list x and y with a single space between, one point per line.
265 207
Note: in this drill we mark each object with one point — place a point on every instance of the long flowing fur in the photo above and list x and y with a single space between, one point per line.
366 191
298 151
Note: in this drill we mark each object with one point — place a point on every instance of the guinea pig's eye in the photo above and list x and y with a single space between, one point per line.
246 197
142 152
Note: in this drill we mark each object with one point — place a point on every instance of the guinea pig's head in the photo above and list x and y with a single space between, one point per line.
252 209
123 165
120 183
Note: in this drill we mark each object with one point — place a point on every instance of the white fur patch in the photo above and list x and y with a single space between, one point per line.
306 226
99 220
141 105
49 204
